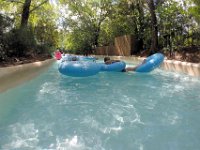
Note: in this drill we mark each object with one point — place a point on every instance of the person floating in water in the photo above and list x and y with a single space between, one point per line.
74 58
108 61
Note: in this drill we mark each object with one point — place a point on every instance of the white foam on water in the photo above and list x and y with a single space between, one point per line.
111 129
72 143
171 118
22 136
137 119
119 118
48 87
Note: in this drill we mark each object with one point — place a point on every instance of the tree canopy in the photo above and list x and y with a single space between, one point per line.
82 25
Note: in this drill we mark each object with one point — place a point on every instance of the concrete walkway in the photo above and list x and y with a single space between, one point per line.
15 75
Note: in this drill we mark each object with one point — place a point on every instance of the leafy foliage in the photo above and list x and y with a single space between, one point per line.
5 24
34 34
81 26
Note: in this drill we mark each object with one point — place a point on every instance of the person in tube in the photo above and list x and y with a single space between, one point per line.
108 61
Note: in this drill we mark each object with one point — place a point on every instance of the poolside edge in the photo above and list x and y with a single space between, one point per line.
12 76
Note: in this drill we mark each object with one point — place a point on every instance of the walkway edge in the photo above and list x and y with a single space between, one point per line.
15 75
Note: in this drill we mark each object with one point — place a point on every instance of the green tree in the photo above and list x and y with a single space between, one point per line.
25 13
154 26
89 16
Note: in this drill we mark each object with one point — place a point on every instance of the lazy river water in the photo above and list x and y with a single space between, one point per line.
109 111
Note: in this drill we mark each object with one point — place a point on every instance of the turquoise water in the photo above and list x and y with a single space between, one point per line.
108 111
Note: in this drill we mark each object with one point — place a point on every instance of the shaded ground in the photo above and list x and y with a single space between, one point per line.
187 54
24 60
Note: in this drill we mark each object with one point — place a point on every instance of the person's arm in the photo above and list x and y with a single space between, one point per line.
134 68
130 69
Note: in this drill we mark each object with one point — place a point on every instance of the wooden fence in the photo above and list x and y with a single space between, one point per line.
123 46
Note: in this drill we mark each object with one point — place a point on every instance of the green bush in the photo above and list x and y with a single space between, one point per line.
20 41
44 49
5 24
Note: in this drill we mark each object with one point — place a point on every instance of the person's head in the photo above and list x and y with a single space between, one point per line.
74 58
106 59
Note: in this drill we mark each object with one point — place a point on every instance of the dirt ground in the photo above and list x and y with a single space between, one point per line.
23 60
186 54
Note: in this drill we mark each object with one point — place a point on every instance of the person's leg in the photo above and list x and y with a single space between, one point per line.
129 69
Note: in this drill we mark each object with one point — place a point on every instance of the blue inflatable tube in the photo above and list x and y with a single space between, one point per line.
78 68
151 63
117 66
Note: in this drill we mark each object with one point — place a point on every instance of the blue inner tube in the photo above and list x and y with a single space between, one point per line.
151 63
116 66
78 68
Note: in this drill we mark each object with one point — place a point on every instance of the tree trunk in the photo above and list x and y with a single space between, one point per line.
154 42
141 27
97 31
25 13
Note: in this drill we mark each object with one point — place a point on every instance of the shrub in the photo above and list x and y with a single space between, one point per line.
5 25
20 42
